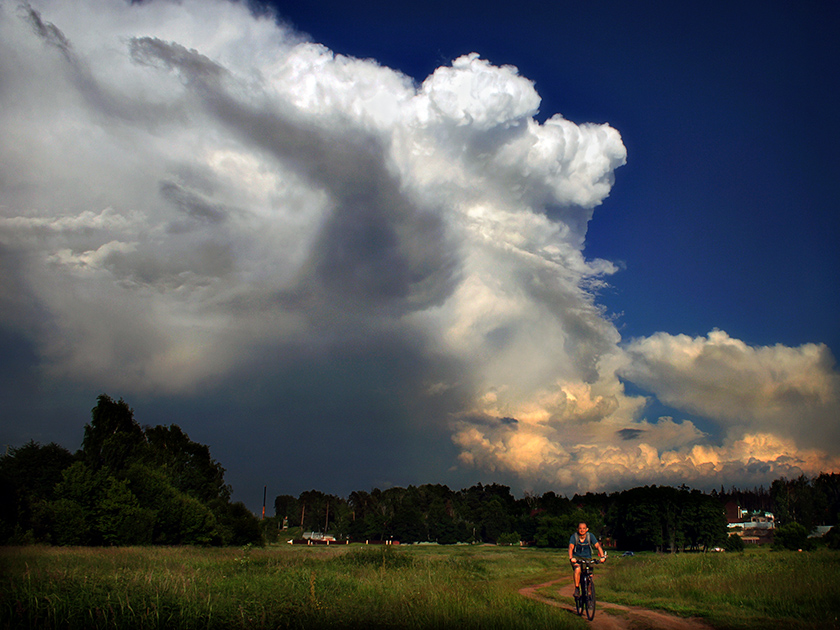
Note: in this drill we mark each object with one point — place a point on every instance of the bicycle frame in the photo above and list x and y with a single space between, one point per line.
586 602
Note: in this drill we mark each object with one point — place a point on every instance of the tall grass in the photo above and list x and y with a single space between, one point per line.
415 588
281 587
757 589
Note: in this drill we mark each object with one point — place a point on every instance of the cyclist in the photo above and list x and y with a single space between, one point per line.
580 546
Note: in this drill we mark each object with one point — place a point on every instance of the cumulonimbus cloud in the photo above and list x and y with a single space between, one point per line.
187 183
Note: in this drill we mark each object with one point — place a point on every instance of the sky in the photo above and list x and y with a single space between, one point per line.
568 246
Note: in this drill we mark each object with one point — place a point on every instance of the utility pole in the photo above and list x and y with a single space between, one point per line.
263 513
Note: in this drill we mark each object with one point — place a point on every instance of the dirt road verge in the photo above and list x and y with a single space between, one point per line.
628 617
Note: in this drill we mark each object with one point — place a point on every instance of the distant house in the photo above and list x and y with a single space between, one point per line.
761 520
734 513
756 527
318 536
820 531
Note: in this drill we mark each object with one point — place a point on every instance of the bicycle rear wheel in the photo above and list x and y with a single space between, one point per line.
589 599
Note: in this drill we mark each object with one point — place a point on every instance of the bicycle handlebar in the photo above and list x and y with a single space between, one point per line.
590 561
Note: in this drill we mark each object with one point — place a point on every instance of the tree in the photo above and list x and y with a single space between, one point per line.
286 507
120 520
180 519
552 531
704 520
94 507
237 524
407 525
551 504
636 519
68 523
79 493
113 438
28 475
270 529
188 464
555 531
797 500
125 486
832 538
440 526
828 486
486 509
318 511
494 519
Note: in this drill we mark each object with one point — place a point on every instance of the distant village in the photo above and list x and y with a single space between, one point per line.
757 527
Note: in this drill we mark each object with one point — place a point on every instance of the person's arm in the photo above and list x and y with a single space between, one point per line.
601 553
572 553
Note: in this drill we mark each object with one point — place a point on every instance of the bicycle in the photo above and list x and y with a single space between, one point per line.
586 602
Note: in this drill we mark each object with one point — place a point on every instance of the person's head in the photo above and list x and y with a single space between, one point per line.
582 528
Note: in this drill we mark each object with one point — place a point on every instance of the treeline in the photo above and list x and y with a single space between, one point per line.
127 485
661 518
652 517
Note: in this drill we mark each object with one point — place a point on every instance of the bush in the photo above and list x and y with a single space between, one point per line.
270 530
69 523
237 525
792 536
508 539
734 543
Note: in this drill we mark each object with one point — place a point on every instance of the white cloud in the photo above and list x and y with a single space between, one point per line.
473 93
186 185
794 392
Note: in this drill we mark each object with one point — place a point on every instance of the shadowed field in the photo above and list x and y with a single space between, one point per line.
404 587
278 587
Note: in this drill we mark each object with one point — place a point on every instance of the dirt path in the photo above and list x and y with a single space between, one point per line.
630 617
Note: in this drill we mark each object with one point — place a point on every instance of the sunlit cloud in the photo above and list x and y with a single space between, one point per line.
793 392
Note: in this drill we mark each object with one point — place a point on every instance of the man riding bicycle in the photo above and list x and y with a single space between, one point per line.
580 546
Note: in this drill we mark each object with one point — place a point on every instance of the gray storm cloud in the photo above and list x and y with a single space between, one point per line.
186 184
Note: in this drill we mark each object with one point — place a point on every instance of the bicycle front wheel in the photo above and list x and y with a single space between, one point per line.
589 598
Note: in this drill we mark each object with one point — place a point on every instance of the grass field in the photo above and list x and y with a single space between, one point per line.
395 587
757 589
277 587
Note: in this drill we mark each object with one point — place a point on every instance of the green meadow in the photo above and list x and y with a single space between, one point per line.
396 587
276 587
757 589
